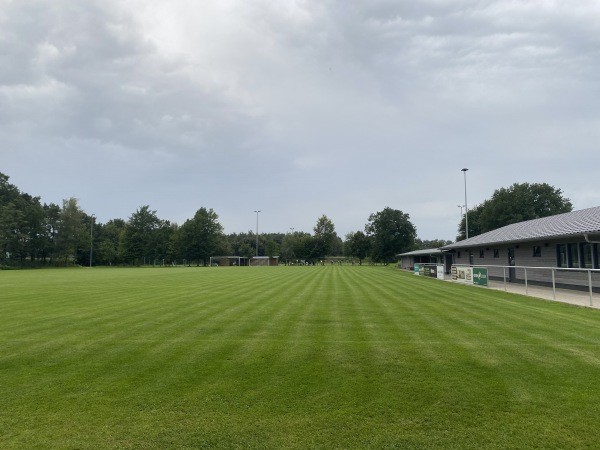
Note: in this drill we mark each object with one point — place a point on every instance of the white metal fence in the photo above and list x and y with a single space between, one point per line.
571 285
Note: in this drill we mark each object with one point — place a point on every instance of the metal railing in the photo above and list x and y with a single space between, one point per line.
576 284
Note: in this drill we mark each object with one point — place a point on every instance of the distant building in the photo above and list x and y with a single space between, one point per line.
569 240
228 261
427 256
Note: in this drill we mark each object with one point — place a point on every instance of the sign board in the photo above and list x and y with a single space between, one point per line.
440 272
480 276
428 270
470 275
462 274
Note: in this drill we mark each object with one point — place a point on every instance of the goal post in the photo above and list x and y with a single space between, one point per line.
228 261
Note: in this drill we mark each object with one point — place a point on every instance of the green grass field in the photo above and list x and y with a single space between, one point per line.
289 357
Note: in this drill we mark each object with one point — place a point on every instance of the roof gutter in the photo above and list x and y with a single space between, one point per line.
588 240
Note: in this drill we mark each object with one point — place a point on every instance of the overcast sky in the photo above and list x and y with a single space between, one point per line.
298 108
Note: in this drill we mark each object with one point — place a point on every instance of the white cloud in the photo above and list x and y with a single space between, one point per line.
345 109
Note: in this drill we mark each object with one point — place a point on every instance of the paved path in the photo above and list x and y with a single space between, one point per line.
574 297
571 296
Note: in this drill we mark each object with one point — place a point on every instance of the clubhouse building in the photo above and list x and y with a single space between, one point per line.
563 246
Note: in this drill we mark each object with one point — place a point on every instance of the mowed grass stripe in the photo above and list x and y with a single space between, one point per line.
522 333
439 329
221 338
525 334
521 324
322 357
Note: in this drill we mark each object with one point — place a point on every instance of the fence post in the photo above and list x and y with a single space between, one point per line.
504 276
591 290
526 287
553 286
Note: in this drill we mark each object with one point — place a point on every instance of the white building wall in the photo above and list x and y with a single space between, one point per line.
524 256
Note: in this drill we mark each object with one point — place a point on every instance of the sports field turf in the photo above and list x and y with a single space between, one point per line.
289 357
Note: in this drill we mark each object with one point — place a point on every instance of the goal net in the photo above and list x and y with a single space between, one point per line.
227 261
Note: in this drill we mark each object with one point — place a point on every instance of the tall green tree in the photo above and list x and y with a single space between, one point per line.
474 223
287 248
324 238
242 244
139 238
272 248
391 232
31 227
427 244
106 242
10 236
163 241
201 237
51 226
246 250
10 218
297 246
517 203
337 249
71 236
357 245
21 224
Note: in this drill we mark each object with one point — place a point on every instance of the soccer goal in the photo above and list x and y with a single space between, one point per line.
228 261
264 261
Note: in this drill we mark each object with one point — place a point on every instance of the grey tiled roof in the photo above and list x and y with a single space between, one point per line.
575 223
427 251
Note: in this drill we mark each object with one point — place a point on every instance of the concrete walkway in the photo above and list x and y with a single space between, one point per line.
571 296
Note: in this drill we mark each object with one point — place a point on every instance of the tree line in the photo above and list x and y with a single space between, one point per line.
517 203
34 234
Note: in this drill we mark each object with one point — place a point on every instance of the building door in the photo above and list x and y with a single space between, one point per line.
448 262
511 264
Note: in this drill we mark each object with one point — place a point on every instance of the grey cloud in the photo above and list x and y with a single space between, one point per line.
343 108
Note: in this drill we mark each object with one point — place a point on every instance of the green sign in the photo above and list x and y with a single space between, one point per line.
480 276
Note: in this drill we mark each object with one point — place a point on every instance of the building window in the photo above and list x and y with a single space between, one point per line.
496 253
481 253
561 255
573 255
537 251
458 255
589 255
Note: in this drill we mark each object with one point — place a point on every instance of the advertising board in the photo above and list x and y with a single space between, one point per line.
428 270
470 275
440 272
463 274
480 276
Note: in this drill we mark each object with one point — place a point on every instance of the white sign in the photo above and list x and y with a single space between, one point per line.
440 272
462 274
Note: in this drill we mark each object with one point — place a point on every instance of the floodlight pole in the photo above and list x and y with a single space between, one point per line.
91 238
257 232
461 207
464 171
